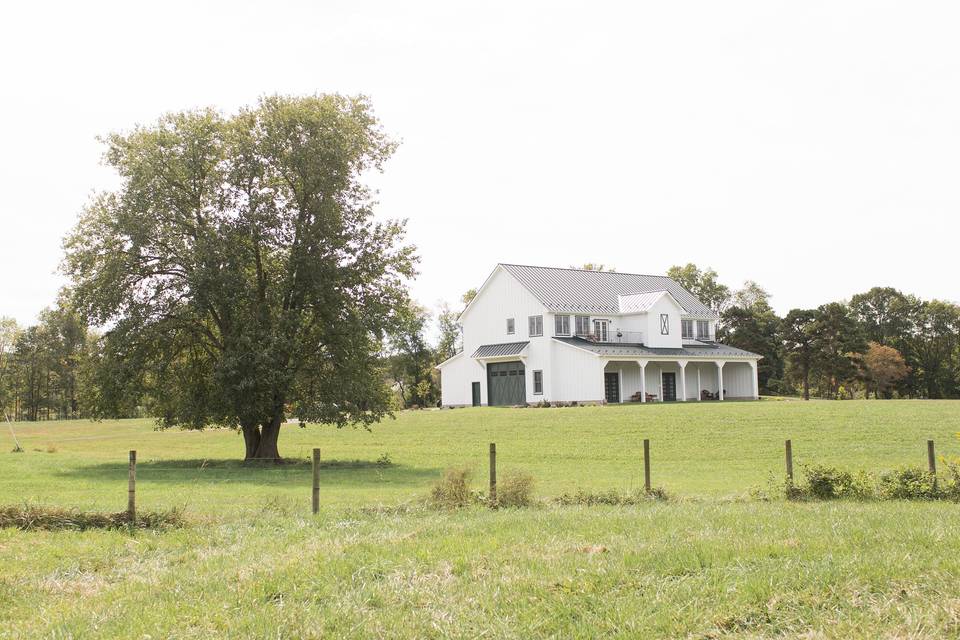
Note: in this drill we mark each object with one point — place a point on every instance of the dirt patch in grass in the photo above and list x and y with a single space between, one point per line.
36 517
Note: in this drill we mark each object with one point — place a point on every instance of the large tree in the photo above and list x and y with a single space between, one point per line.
797 335
240 270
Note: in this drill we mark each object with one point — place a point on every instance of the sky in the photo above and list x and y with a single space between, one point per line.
813 147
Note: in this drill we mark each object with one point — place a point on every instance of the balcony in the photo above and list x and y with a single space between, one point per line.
613 336
702 337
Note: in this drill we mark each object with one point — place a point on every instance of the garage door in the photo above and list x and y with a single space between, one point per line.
505 383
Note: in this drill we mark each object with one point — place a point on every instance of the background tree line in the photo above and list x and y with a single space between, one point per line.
882 343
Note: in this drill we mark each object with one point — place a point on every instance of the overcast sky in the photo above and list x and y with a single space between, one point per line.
811 146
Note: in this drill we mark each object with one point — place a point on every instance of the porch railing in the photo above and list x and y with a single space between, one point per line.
614 336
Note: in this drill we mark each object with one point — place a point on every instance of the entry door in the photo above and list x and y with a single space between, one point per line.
669 386
476 394
506 384
611 386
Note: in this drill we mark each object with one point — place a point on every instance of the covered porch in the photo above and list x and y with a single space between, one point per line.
668 380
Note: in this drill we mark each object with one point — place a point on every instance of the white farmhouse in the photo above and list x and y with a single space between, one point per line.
562 335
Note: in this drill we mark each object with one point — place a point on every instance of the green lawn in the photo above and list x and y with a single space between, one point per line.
710 563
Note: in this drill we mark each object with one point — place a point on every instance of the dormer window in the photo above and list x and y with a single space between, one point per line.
562 325
511 326
665 324
687 329
703 329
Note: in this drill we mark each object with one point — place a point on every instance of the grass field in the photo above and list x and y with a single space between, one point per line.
710 563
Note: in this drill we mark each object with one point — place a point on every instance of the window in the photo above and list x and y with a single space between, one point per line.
538 383
600 330
583 325
511 329
703 329
535 326
562 327
687 328
665 324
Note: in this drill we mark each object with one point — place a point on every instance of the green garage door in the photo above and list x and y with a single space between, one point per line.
505 383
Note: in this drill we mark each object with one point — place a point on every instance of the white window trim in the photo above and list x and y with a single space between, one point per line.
537 320
534 380
513 330
556 320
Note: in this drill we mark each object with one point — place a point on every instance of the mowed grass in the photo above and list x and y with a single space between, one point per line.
711 563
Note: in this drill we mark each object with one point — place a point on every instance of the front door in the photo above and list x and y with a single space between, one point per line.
476 394
611 386
505 384
669 386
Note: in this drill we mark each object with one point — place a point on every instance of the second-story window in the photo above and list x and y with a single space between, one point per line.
687 329
601 330
562 325
511 326
535 326
665 324
583 325
703 329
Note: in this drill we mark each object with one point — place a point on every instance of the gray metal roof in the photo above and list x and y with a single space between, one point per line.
581 291
703 350
496 350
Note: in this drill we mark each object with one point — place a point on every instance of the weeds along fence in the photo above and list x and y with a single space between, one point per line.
316 485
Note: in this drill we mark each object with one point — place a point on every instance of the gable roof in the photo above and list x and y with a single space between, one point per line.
581 291
643 302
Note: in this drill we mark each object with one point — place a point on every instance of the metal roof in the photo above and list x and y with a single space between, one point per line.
497 350
641 302
581 291
703 350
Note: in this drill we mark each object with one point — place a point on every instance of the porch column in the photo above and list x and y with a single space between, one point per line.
683 380
754 380
643 380
699 385
720 378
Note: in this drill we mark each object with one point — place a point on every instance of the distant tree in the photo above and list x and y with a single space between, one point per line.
9 330
797 331
756 328
882 368
412 360
468 296
449 342
883 314
836 338
703 284
241 271
931 346
752 296
592 266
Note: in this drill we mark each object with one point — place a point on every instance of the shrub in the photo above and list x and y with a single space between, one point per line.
908 483
452 491
613 497
827 483
515 489
384 460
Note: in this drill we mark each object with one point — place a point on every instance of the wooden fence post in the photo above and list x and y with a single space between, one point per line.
316 481
493 473
932 462
132 488
646 465
789 453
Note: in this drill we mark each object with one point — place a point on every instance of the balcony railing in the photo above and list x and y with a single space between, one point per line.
614 336
708 337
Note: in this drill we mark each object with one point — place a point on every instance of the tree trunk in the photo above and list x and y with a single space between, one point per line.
269 434
251 440
806 385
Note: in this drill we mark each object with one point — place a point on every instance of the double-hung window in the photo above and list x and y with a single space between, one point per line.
535 326
583 325
703 329
561 325
538 383
687 327
511 326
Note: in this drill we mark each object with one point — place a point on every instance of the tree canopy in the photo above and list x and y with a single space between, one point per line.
240 271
